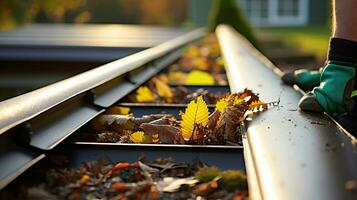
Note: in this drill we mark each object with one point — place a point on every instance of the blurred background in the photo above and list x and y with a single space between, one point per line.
44 41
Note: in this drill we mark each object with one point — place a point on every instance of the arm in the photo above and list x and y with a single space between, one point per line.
345 19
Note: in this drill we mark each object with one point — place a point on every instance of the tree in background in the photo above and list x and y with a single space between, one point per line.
13 12
228 12
158 12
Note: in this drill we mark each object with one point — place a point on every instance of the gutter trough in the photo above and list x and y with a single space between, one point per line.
291 154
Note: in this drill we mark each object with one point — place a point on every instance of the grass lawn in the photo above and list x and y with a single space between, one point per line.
311 39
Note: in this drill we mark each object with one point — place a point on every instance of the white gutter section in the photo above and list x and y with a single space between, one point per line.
289 154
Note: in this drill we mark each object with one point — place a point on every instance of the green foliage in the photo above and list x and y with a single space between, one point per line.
162 12
229 179
233 179
354 93
206 174
228 12
14 12
307 39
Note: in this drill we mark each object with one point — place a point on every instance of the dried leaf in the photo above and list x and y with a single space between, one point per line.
85 178
229 120
180 94
197 77
171 184
139 137
165 133
212 185
149 118
112 137
200 63
195 114
246 96
118 110
163 78
121 166
222 104
163 90
147 168
120 187
177 77
258 106
191 51
116 122
144 95
166 120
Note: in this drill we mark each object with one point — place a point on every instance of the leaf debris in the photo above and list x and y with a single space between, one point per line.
224 126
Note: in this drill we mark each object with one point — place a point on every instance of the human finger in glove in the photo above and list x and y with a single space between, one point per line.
305 79
337 82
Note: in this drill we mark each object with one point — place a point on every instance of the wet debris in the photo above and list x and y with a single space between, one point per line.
162 178
317 123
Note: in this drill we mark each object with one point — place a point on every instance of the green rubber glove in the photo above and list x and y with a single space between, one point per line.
308 78
334 92
305 79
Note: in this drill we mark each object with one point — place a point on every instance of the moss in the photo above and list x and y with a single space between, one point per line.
233 179
206 174
228 12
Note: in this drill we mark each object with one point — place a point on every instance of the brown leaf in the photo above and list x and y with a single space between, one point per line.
109 137
166 133
114 122
208 187
250 94
148 118
232 117
147 168
165 120
120 187
180 94
118 110
213 119
121 166
85 178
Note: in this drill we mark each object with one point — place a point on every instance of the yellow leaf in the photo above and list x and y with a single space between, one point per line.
220 62
197 77
144 94
163 78
163 90
118 110
222 104
258 105
177 77
214 49
155 138
192 51
85 178
239 99
200 63
138 137
195 114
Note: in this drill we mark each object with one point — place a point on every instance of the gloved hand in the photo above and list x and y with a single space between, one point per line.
333 95
305 79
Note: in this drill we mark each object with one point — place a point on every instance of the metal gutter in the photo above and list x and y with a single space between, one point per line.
81 43
22 108
295 155
34 123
